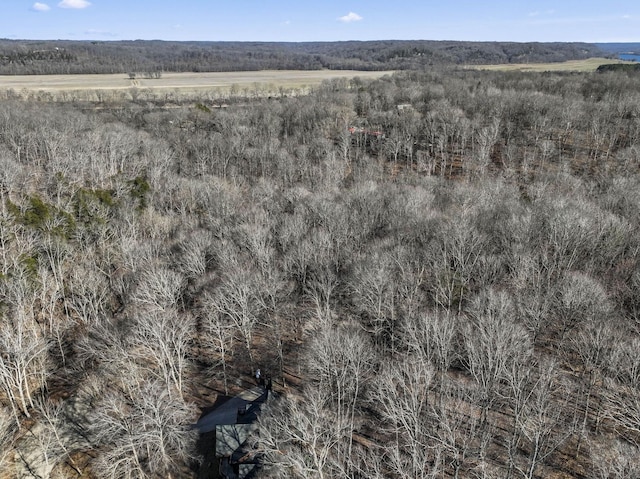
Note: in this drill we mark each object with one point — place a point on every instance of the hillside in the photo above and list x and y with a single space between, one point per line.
617 48
19 57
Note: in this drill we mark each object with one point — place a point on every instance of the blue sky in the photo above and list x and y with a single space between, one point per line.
322 20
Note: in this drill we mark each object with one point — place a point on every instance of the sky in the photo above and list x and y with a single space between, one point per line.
322 20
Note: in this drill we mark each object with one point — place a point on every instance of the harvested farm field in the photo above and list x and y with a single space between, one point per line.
585 65
188 81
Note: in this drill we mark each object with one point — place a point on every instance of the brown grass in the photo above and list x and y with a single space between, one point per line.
588 65
268 79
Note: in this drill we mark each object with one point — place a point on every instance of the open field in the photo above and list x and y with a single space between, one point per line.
588 65
188 81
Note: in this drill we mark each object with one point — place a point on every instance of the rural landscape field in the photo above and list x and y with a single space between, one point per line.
272 81
583 65
265 80
349 259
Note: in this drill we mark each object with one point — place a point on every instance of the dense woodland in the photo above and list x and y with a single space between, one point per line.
628 67
19 57
440 270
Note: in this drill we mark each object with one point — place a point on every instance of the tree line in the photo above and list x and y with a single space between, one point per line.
457 296
20 57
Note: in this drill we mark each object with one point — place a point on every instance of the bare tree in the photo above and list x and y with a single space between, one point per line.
543 422
23 360
458 431
486 140
623 407
341 361
141 433
193 254
583 298
299 437
88 293
493 342
535 289
218 334
618 462
159 288
274 291
161 339
238 299
55 323
402 394
431 340
374 293
7 437
53 434
594 347
455 261
410 283
257 238
626 361
320 289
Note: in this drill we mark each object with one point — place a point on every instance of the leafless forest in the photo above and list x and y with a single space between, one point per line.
37 57
440 270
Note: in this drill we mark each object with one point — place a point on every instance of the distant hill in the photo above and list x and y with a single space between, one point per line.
618 48
64 56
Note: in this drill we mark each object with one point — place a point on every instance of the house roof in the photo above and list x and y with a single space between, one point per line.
230 437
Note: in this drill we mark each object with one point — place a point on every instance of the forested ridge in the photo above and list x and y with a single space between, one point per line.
19 57
439 269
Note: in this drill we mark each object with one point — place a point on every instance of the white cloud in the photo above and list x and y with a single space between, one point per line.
74 4
350 17
40 7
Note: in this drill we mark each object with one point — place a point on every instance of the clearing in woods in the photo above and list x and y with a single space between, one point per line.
183 81
588 65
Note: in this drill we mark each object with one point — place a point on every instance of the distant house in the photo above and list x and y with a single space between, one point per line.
363 131
404 107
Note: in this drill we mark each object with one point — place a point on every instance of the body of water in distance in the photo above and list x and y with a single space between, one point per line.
629 57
